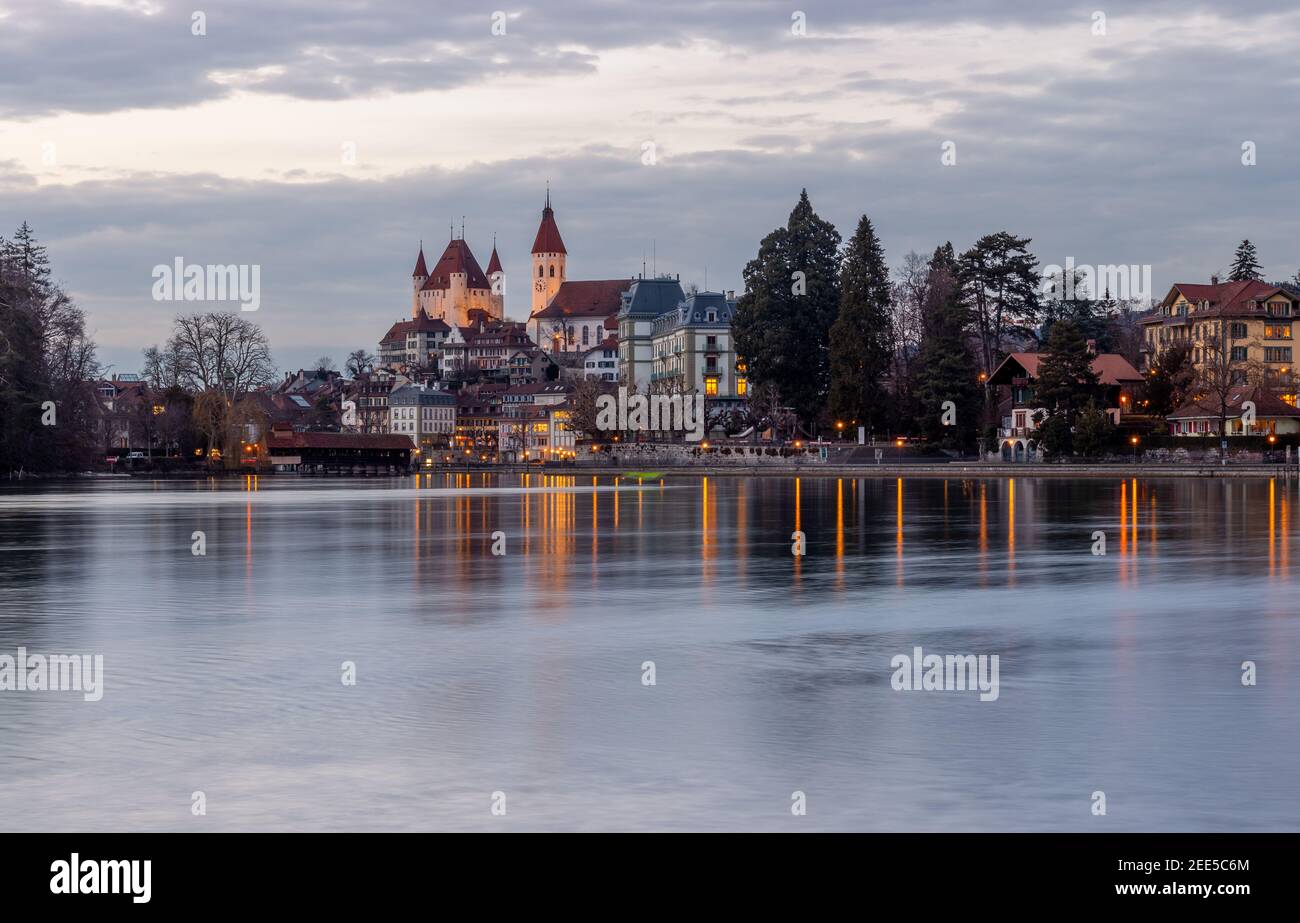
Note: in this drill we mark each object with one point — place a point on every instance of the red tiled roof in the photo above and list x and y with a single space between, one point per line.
1267 404
420 269
280 439
422 324
588 298
1226 298
548 233
1111 368
457 258
494 262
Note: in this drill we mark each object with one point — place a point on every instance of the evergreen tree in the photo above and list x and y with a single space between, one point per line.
859 338
1000 277
947 371
28 258
1066 381
1093 432
1172 379
1245 264
783 320
45 361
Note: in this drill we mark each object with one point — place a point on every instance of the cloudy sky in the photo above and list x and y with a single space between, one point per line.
323 140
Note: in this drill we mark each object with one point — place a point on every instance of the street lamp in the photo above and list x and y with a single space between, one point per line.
1134 441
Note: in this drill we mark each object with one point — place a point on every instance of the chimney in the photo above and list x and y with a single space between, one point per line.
1214 280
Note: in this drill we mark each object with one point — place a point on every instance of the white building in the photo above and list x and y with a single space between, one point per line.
426 415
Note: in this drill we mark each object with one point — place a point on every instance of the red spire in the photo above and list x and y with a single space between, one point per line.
494 261
420 269
457 258
548 233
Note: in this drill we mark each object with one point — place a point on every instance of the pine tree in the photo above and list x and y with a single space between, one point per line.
1066 381
947 371
859 338
29 259
783 321
1245 264
1000 277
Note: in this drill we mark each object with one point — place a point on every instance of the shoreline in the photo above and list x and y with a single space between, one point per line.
972 470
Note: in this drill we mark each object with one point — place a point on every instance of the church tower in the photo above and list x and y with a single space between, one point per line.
497 280
549 257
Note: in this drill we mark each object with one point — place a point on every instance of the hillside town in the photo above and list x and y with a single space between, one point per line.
939 358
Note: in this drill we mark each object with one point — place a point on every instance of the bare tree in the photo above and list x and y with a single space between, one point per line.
221 351
1219 374
582 400
359 361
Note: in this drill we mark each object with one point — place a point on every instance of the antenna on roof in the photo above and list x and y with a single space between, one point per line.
462 227
654 257
548 193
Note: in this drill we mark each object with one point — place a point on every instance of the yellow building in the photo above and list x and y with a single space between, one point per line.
1248 326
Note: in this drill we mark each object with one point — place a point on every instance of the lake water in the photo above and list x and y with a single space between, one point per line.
522 673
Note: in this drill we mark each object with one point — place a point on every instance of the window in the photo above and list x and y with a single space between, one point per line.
1277 353
742 386
1238 354
1238 332
540 272
1277 331
585 333
552 271
711 386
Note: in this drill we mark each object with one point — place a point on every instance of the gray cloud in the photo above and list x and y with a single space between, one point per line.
1137 164
72 57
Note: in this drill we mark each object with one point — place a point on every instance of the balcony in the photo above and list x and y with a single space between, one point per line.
1015 432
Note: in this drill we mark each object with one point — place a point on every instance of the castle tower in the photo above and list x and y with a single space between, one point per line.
455 287
497 280
418 278
549 257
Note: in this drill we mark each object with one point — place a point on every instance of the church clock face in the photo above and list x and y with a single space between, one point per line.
539 285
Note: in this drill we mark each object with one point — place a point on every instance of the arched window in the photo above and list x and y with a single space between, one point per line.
540 273
586 331
552 271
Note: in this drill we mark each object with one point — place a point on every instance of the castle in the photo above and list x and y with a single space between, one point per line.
458 285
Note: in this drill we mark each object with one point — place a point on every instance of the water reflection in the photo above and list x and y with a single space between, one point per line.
482 671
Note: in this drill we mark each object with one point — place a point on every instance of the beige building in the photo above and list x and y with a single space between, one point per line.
457 285
1254 322
692 349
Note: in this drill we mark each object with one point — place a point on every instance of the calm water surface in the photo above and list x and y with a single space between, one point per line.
522 673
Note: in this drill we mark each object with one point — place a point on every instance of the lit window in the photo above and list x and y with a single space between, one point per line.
711 386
